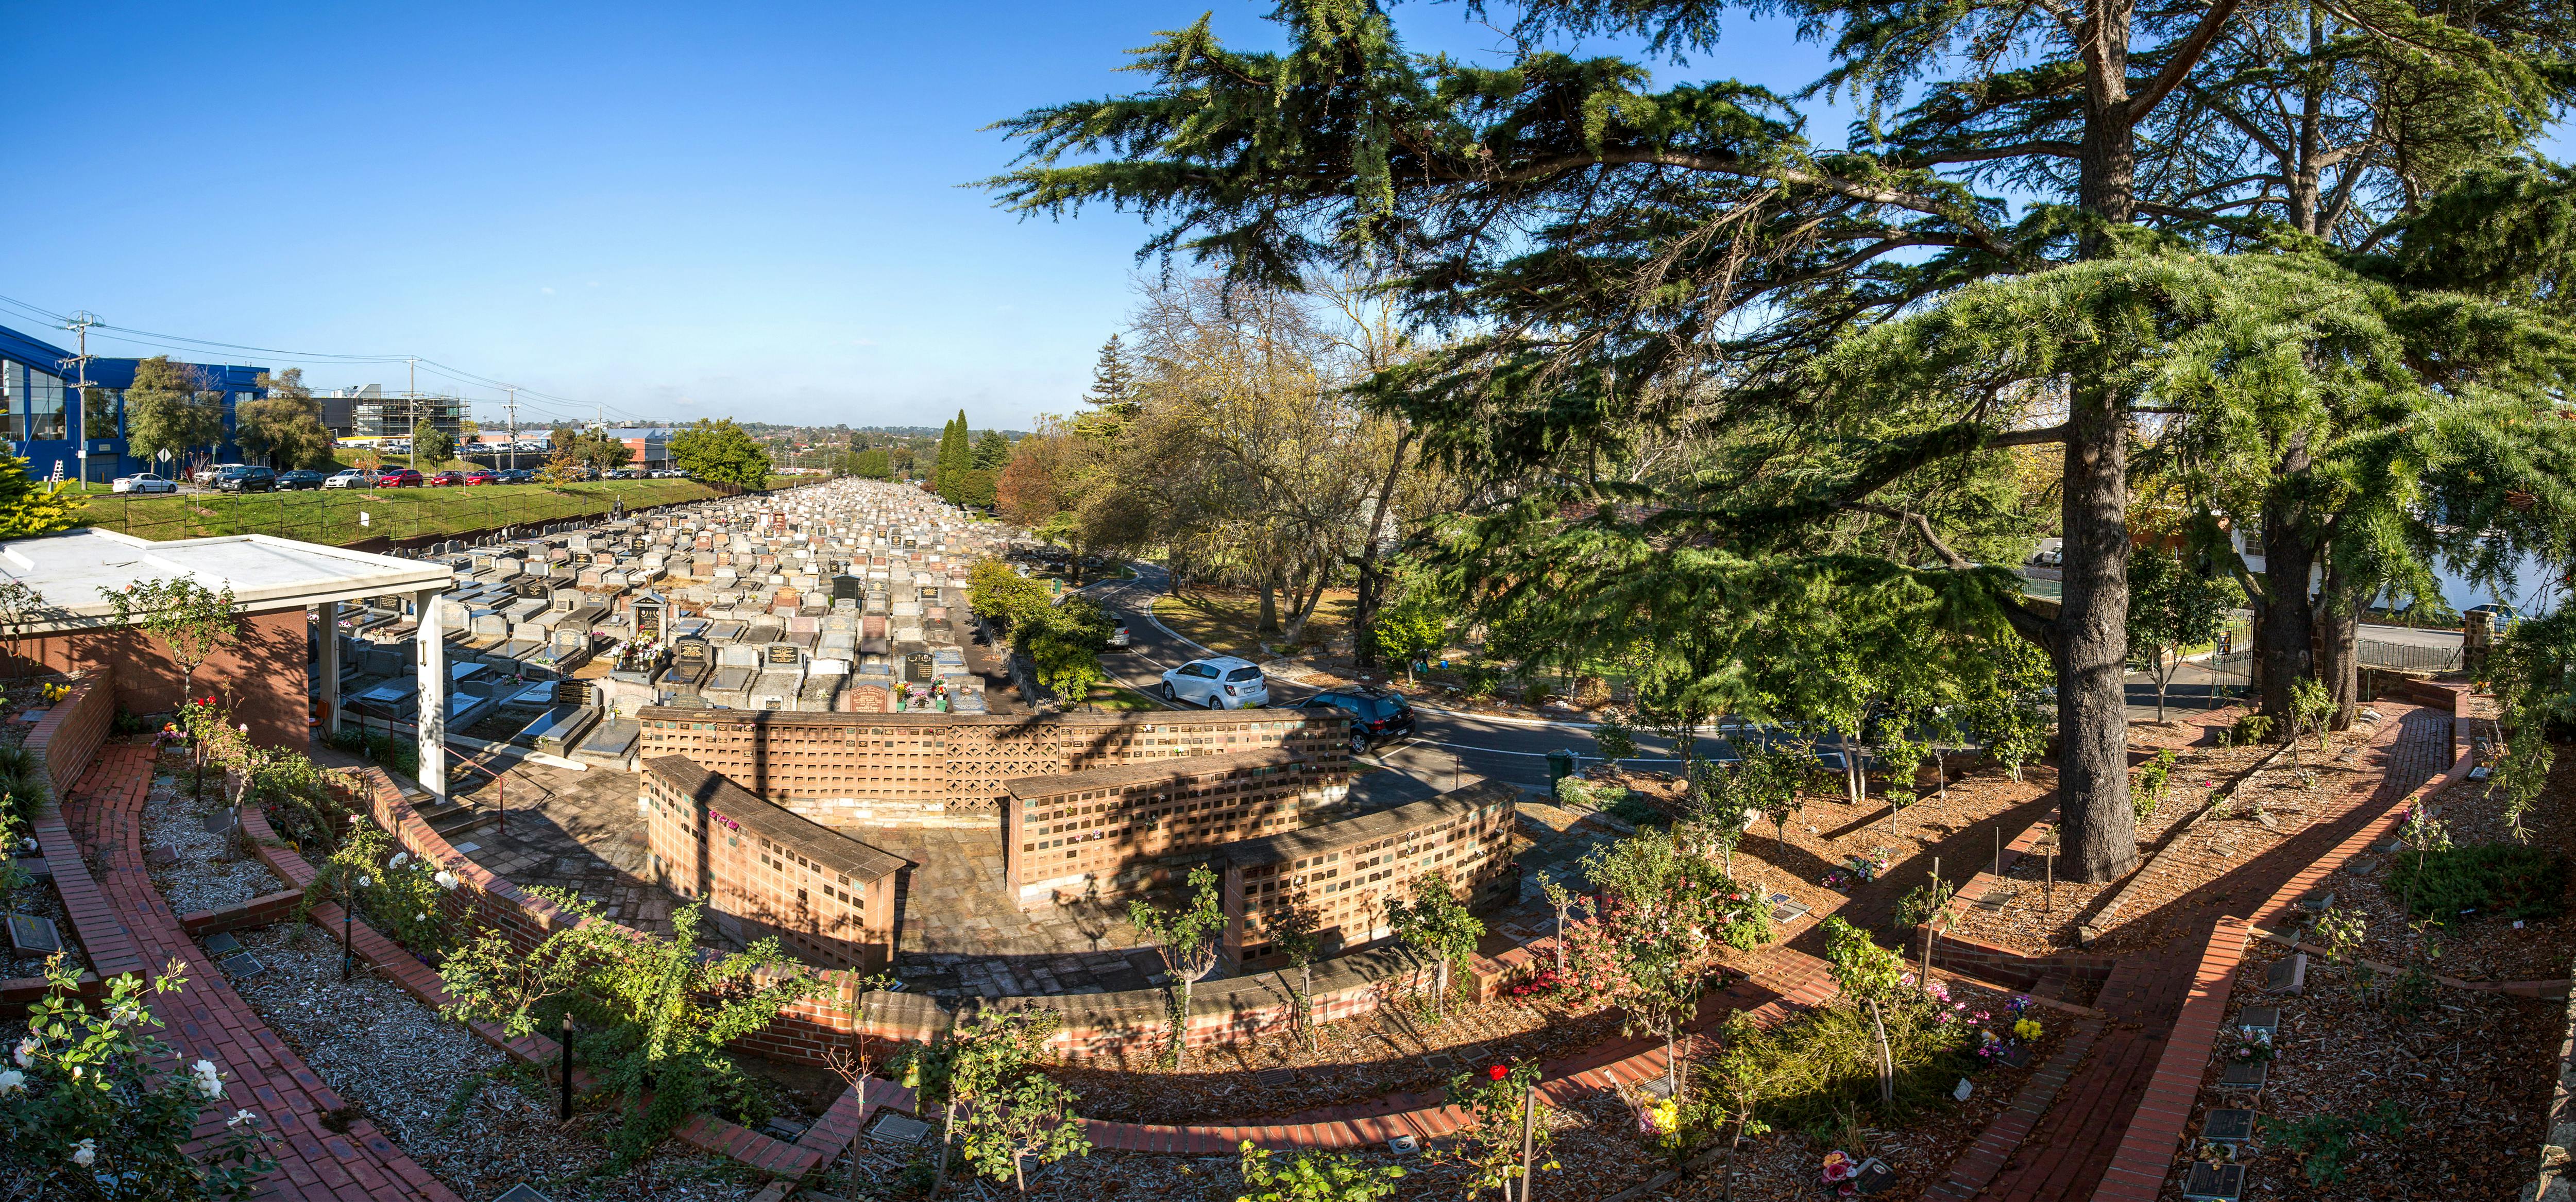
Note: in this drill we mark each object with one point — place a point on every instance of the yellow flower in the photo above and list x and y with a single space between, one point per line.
2027 1029
1666 1116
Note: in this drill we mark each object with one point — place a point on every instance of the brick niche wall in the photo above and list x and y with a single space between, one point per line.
828 898
261 675
1344 872
1107 829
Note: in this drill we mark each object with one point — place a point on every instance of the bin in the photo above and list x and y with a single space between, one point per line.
1560 764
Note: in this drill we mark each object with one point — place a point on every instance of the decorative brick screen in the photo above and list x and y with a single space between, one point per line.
763 871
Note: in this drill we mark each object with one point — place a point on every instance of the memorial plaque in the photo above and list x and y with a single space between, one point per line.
522 1192
900 1128
34 935
783 1131
2015 1055
2266 1019
222 944
2209 1181
2287 976
221 822
2228 1126
242 966
1274 1077
1873 1177
2245 1074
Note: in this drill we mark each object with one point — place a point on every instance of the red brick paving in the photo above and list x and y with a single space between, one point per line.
131 929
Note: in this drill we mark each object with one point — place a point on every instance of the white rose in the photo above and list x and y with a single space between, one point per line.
210 1081
85 1152
399 858
27 1051
239 1117
445 879
12 1081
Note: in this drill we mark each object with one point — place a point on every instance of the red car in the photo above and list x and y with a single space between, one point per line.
481 477
398 477
447 479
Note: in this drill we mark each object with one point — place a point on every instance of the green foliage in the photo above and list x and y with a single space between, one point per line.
1433 923
982 1075
189 620
2147 783
396 892
285 427
992 453
1417 625
2342 931
1488 1147
431 445
169 407
2311 706
2173 608
654 1014
2533 671
1004 597
2251 729
1186 937
1063 641
718 450
1613 738
1009 1123
1659 916
400 754
1314 1177
2497 880
1815 1069
28 506
94 1109
2323 1142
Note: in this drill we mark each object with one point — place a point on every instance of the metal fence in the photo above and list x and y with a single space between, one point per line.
344 517
2408 657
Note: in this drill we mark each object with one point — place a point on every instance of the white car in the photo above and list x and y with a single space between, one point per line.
351 478
142 482
1223 683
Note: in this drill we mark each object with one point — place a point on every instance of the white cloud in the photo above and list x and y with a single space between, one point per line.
547 291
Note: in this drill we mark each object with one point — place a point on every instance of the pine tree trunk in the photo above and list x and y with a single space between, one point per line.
1269 620
2286 634
2339 651
2092 644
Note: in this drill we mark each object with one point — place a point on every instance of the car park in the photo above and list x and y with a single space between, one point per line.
353 477
238 478
1376 714
398 477
1225 682
142 482
300 478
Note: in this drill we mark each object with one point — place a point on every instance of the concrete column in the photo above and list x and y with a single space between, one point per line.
330 669
433 693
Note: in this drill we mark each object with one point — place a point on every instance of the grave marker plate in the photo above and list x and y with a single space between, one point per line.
2228 1126
242 966
2245 1074
2210 1181
221 822
1274 1077
34 934
222 944
2287 976
2260 1018
1873 1177
522 1192
901 1129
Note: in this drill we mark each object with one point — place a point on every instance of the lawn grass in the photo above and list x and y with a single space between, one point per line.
1222 621
1119 699
338 517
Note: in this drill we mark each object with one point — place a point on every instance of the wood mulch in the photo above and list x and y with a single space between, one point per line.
2470 1073
2175 854
2475 947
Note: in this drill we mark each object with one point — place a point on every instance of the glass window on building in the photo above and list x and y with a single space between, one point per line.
100 410
13 391
45 406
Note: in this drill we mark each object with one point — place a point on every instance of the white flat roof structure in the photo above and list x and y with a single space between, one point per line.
75 570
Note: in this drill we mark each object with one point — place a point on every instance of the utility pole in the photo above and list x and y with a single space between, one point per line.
411 389
80 324
513 407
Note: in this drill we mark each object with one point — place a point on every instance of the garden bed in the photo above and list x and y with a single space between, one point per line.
474 1120
2475 947
2363 1100
2176 854
206 871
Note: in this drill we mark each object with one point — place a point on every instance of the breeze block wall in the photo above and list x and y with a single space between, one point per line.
951 769
764 872
1116 830
1345 872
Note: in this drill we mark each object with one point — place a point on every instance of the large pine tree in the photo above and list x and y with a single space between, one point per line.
1627 258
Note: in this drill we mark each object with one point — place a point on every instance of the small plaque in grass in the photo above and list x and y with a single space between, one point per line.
2287 976
222 944
1873 1177
1404 1145
2317 900
2015 1055
1273 1078
221 822
522 1192
2228 1126
160 856
1441 1062
242 966
900 1129
2245 1074
36 868
2210 1181
1658 1087
1788 911
2260 1018
34 934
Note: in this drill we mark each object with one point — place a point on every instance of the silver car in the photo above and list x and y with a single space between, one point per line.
142 482
1223 683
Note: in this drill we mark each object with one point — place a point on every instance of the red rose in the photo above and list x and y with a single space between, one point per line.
1498 1072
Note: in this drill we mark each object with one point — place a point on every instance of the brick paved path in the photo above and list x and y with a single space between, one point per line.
2066 1153
322 1155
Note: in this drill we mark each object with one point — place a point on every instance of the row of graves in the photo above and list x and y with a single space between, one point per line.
845 597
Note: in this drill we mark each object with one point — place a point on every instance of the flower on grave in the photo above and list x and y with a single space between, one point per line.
1665 1117
1839 1166
353 820
445 879
2027 1029
1497 1073
124 1013
1938 990
27 1051
12 1081
85 1152
210 1082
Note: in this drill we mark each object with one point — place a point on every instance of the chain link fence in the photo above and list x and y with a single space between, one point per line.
343 517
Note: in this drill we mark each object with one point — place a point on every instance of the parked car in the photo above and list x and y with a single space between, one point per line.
245 479
299 478
1223 683
398 477
205 476
450 478
483 476
627 473
1376 714
142 482
352 477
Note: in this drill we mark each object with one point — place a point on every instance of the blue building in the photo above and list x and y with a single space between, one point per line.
43 421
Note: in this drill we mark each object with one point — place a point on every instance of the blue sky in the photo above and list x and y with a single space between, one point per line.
742 210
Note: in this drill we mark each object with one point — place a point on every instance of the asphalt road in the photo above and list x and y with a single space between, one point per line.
1443 746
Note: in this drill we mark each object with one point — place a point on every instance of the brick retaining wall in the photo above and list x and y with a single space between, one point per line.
69 734
2146 1152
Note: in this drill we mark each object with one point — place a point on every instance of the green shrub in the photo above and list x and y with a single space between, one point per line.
2252 728
1821 1066
2147 784
2497 880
